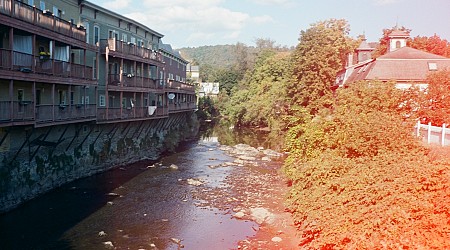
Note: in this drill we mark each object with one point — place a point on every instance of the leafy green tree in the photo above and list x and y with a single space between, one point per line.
360 180
435 104
433 44
320 54
260 96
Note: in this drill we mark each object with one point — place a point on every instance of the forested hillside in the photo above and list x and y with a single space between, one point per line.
216 56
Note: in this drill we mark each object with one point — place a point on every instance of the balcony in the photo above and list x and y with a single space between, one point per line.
26 112
181 107
180 86
43 19
130 51
129 80
35 64
105 115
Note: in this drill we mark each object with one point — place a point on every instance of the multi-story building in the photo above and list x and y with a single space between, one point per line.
73 74
45 75
139 78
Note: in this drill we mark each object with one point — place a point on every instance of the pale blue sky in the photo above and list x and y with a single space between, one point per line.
195 23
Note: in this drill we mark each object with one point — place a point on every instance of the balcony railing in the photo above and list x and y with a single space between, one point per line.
180 85
56 113
130 49
182 106
40 65
129 80
44 19
136 113
23 111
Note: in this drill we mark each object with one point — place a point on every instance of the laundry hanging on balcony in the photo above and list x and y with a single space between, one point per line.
151 110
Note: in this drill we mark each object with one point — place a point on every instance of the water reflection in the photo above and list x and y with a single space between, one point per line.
138 206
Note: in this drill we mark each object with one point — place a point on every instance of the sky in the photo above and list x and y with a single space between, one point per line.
194 23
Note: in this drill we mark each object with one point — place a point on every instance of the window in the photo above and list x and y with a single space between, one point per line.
94 68
96 35
31 2
42 5
86 26
38 97
133 40
124 102
86 98
62 97
72 96
56 11
432 66
124 38
398 44
102 101
140 43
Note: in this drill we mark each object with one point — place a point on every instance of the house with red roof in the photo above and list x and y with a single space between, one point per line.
402 64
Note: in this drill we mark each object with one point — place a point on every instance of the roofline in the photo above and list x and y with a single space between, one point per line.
179 57
112 13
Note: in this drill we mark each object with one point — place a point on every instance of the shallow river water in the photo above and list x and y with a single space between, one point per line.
146 205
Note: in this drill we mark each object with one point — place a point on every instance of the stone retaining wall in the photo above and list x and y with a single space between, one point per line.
36 160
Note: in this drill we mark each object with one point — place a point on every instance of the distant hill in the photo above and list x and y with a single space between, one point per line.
218 56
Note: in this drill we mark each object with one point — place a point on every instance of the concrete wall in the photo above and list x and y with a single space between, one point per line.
36 160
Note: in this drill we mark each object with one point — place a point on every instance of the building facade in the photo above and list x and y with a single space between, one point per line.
82 90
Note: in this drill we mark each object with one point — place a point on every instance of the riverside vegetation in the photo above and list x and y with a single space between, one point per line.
359 178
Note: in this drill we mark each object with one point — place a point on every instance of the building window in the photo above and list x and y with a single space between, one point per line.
62 97
94 68
96 35
31 2
124 102
133 40
432 66
102 101
72 97
398 44
124 38
42 5
86 26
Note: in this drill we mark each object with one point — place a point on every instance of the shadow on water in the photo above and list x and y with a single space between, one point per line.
40 223
70 217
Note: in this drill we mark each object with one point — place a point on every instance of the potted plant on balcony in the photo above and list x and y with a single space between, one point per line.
44 55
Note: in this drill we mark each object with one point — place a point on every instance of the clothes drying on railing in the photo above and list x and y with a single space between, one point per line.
151 110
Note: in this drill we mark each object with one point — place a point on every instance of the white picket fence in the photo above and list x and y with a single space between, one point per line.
432 134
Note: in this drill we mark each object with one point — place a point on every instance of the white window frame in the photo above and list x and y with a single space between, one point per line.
102 100
86 26
96 31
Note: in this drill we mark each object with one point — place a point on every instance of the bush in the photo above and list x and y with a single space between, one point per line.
362 181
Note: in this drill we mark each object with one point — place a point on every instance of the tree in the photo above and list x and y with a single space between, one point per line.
432 44
360 180
320 54
435 104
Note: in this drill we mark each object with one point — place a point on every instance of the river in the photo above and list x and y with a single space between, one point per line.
146 205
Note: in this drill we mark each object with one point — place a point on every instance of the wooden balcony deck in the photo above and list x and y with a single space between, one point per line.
37 18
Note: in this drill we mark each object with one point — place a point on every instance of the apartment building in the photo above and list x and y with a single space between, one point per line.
45 75
138 76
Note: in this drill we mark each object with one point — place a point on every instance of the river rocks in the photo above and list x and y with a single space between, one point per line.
277 239
108 245
262 215
239 215
194 182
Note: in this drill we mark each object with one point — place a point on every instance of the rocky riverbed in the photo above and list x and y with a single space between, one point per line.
255 191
